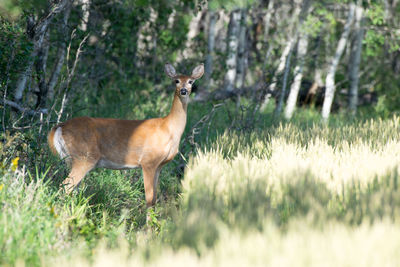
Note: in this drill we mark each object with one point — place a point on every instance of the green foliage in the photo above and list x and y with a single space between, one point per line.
374 41
229 4
376 14
10 9
312 25
14 51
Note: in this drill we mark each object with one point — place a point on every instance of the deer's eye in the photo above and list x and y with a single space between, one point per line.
190 82
177 81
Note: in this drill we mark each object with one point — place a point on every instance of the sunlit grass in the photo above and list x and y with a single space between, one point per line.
334 245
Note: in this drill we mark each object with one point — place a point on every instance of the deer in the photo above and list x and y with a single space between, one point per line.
87 143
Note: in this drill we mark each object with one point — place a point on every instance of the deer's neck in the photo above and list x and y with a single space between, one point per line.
176 119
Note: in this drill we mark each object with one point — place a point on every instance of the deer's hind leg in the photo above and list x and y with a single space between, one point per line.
79 168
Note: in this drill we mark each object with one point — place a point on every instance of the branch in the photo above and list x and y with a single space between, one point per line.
23 109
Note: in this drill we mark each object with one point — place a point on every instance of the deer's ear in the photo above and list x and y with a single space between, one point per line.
170 70
198 72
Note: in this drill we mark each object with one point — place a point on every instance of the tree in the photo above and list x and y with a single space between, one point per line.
36 31
242 51
232 47
330 77
284 56
302 50
355 58
213 17
298 75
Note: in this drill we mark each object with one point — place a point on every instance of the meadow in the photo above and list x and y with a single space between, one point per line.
254 191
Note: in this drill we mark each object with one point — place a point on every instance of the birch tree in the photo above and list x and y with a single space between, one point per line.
282 60
85 14
213 17
298 30
330 77
267 21
242 51
355 58
232 47
298 75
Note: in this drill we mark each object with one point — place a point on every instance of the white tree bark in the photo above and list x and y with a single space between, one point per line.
298 75
85 14
355 58
267 21
330 77
144 37
284 82
23 78
305 5
220 31
282 60
193 32
267 25
241 62
232 47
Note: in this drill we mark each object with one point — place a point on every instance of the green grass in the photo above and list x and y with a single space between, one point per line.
254 191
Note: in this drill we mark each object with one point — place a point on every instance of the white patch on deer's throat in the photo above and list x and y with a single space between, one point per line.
185 99
108 164
59 143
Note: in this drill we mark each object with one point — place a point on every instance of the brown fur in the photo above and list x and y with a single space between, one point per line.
119 144
50 140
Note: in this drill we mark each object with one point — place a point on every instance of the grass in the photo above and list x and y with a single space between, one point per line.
254 192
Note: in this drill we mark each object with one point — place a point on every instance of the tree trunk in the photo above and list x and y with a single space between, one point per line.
298 75
193 32
278 109
298 30
232 47
282 60
213 17
330 77
63 29
242 51
355 58
85 14
267 22
36 32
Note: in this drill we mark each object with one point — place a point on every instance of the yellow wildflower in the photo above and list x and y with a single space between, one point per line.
53 212
14 164
1 187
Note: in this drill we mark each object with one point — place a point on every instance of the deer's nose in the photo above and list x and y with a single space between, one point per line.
184 91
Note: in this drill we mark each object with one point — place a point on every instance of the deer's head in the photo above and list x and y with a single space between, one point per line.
184 83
